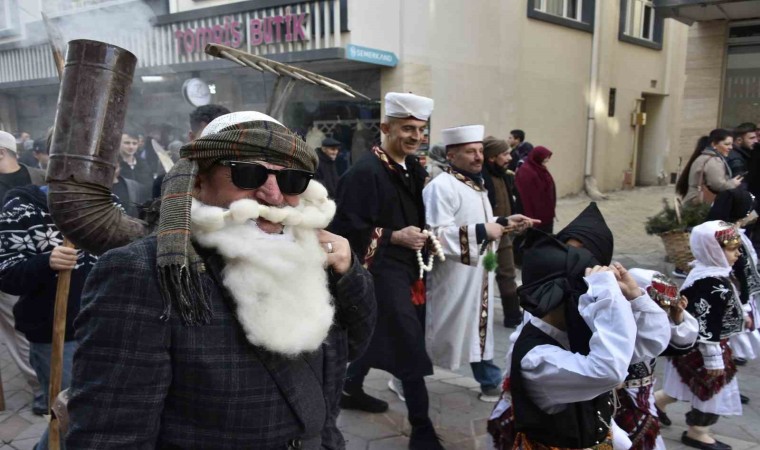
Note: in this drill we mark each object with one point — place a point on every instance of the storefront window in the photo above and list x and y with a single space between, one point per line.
741 94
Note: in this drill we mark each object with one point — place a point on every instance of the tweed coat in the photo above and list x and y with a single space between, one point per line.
143 383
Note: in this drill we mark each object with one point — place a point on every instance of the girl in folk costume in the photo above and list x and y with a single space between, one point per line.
705 375
738 207
637 414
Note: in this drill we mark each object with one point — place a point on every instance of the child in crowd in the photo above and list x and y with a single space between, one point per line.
705 376
636 414
737 206
562 398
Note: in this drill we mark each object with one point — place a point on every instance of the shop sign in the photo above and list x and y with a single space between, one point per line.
371 55
288 27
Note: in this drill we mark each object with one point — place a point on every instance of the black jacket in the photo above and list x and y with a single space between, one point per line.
739 160
518 155
327 173
143 383
27 237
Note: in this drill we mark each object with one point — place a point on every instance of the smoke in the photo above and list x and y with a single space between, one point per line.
114 23
109 24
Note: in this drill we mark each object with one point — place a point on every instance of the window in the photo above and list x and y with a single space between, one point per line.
569 9
577 14
5 15
640 20
640 23
9 20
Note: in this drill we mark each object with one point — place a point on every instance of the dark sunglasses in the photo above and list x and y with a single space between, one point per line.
250 175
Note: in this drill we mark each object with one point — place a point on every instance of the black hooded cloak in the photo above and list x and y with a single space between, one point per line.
552 276
592 231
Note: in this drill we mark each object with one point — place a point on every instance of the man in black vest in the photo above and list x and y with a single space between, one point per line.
562 397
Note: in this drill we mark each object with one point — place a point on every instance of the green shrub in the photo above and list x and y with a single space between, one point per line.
666 220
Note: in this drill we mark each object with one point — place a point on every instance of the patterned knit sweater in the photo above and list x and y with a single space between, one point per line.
27 237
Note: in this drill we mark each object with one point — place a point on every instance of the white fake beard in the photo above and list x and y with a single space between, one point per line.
278 281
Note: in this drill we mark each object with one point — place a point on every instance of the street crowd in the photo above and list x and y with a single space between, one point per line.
273 282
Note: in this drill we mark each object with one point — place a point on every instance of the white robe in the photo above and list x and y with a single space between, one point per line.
747 345
459 323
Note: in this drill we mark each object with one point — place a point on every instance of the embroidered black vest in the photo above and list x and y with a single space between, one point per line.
579 425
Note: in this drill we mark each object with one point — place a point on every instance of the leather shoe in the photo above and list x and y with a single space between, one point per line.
359 400
717 445
744 399
740 361
663 418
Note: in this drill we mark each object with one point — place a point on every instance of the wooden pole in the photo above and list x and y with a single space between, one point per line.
2 395
64 280
56 359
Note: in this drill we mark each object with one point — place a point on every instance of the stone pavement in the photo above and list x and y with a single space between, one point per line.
459 416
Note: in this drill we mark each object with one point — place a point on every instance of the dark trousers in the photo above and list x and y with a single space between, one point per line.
697 418
415 392
505 279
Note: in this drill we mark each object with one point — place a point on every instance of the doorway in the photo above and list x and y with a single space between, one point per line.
652 143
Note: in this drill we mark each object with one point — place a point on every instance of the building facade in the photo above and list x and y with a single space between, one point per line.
722 87
600 83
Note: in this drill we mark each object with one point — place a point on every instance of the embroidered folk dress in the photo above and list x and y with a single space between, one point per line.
747 345
459 324
638 408
715 304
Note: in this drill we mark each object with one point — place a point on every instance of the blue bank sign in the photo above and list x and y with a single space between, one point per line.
371 55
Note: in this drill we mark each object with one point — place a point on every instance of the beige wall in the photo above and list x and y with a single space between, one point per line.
493 65
700 111
637 72
552 84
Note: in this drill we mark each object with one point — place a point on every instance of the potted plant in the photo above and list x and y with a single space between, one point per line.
673 225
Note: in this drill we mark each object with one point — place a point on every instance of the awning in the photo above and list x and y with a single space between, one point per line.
690 11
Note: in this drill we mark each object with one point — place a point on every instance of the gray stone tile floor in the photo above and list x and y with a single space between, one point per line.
459 416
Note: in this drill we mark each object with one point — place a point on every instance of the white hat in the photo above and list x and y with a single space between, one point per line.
403 106
463 135
226 120
7 141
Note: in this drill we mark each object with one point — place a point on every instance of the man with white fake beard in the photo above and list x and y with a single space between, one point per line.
230 327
